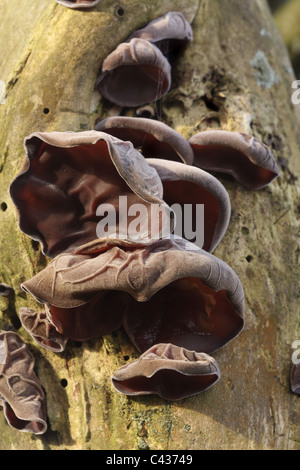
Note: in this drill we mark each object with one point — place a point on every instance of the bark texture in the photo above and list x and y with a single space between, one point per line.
235 75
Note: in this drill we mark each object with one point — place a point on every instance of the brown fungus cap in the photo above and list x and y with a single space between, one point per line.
295 379
42 330
21 394
134 74
153 138
167 31
68 175
78 3
169 371
188 187
242 156
167 291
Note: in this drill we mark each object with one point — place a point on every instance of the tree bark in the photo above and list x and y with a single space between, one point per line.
236 75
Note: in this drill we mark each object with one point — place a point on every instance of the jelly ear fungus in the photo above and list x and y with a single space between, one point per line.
68 175
169 371
138 72
242 156
21 394
80 4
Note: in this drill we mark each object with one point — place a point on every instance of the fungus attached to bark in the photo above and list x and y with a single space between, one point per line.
134 74
167 291
242 156
186 188
78 3
67 176
21 394
166 32
295 379
6 290
169 371
42 330
153 138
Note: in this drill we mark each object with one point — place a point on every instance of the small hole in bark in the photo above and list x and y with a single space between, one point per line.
64 383
126 358
46 110
249 258
120 12
3 206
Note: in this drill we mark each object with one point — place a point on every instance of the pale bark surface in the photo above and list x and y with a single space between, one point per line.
235 75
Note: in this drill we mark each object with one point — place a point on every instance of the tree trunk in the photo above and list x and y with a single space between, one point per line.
235 75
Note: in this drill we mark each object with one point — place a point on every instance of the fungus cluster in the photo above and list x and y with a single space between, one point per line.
176 301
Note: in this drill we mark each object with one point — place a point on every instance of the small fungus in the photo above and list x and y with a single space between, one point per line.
242 156
295 379
166 32
67 176
21 394
78 3
153 138
167 291
169 371
42 330
187 187
138 72
134 74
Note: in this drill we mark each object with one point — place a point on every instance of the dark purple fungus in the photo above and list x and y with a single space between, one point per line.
295 379
169 371
42 330
78 3
187 188
138 72
21 394
153 138
242 156
72 183
134 74
168 291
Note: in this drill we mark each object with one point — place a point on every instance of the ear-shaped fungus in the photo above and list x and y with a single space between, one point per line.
78 3
169 291
242 156
295 379
134 74
68 175
171 372
6 290
42 330
137 71
186 187
21 394
153 138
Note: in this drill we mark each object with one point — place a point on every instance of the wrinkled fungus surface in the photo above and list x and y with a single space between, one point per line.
68 175
168 291
134 74
42 330
21 394
153 138
242 156
169 371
